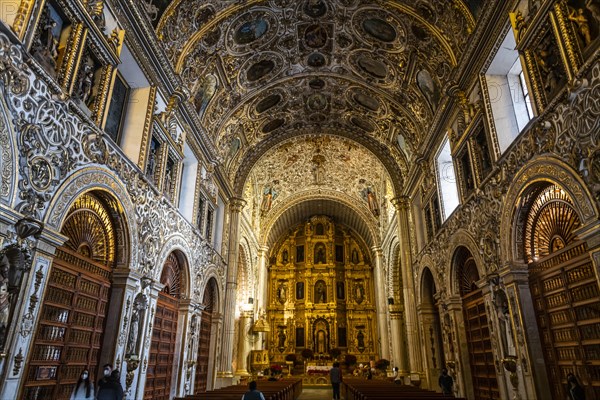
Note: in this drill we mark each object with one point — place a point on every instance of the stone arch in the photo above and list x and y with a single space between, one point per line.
178 244
100 180
428 286
212 272
82 272
538 171
462 240
368 229
428 263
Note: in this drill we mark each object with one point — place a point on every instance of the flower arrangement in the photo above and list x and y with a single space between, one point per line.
335 353
382 364
307 354
350 360
276 369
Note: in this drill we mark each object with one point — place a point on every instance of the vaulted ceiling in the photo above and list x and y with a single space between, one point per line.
262 72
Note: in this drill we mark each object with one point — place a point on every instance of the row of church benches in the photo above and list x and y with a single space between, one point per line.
285 389
361 389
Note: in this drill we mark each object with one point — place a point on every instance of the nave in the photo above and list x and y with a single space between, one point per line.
196 193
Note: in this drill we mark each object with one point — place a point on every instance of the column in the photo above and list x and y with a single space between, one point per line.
246 322
402 205
263 278
533 379
225 360
398 349
381 304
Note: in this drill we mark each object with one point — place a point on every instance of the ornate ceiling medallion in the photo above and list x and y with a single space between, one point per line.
315 36
260 68
363 124
365 101
272 125
316 60
267 103
379 28
315 8
316 83
317 102
251 31
373 67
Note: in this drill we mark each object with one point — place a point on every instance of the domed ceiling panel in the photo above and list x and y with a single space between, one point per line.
261 71
311 163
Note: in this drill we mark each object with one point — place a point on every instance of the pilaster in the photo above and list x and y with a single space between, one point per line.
225 373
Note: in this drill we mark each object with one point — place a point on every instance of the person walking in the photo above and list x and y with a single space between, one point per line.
253 393
109 386
84 389
445 381
335 375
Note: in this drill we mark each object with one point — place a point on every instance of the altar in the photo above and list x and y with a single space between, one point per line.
317 374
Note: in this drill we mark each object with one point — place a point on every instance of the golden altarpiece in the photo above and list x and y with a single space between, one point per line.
321 293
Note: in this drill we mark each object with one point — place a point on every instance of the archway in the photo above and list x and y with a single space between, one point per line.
564 287
206 330
430 317
70 334
161 361
477 331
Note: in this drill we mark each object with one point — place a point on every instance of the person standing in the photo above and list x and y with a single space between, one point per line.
109 386
84 388
335 374
253 393
576 392
445 381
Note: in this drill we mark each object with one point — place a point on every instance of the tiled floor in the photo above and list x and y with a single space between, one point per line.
316 393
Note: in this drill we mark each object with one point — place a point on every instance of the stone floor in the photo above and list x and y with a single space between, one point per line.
316 393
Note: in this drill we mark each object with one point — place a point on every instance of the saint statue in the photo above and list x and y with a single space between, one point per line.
360 338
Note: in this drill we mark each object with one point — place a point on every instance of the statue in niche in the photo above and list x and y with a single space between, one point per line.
151 166
321 342
45 46
505 327
354 257
281 293
281 337
318 169
340 290
299 290
320 292
360 339
320 255
369 196
140 304
4 308
580 20
359 293
284 257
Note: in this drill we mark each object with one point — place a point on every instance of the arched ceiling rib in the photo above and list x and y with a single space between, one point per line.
299 212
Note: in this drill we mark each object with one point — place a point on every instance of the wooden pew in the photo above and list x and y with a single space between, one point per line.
285 389
360 389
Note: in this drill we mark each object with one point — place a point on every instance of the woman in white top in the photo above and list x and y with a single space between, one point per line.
85 388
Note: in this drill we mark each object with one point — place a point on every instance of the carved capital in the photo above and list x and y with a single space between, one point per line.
400 203
236 204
